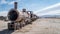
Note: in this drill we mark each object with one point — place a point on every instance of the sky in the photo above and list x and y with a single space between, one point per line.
50 10
32 5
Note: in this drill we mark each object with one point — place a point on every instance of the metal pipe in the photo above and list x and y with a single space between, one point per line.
15 5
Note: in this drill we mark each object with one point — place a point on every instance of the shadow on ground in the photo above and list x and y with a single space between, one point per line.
6 31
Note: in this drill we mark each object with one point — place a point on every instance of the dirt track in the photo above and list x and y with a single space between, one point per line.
40 26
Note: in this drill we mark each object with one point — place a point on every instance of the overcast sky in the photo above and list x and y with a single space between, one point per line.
32 5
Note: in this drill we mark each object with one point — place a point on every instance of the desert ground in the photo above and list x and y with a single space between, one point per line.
40 26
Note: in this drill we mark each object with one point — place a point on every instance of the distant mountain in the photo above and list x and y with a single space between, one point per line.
50 16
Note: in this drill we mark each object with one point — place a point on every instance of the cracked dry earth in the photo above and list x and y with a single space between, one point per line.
40 26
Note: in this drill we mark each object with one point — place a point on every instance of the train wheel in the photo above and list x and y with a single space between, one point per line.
20 25
8 26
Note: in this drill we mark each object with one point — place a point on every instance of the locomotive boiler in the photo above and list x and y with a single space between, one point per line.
14 15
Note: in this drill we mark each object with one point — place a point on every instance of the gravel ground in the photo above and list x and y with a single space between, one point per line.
40 26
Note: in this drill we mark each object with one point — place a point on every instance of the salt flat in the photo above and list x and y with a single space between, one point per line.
40 26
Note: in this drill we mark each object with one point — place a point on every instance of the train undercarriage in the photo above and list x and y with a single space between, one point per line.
18 25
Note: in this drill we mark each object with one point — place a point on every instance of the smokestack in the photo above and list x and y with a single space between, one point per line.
15 5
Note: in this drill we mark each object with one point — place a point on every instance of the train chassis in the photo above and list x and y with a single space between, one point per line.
17 25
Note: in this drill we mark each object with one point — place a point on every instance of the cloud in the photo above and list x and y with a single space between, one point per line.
3 2
9 3
55 5
55 12
49 8
12 2
3 13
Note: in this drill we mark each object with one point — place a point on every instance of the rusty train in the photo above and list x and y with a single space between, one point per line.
19 18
